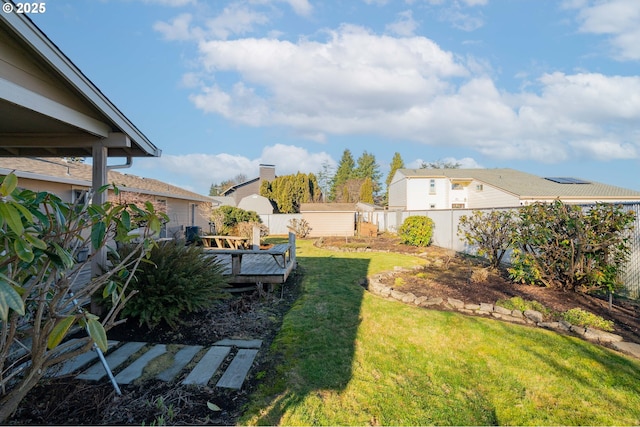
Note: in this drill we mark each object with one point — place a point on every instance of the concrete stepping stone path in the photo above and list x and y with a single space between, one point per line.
131 359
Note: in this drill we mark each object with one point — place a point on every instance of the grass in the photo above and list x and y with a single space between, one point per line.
351 358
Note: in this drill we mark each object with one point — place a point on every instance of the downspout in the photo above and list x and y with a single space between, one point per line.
125 166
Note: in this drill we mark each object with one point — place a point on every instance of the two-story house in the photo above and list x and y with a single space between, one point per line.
425 189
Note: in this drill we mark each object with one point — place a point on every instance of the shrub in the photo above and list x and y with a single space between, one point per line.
416 231
491 231
565 246
300 227
39 236
580 317
479 275
176 280
231 216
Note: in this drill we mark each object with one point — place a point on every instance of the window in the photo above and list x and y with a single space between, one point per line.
479 187
456 186
432 186
79 196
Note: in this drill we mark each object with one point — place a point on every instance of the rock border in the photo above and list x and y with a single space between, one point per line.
528 317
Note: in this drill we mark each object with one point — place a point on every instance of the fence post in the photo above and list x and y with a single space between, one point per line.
255 238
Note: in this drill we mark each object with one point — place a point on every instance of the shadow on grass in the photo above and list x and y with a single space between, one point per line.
317 338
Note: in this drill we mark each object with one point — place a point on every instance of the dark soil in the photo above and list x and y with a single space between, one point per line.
256 315
250 315
447 274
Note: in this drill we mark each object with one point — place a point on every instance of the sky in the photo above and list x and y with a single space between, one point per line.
548 87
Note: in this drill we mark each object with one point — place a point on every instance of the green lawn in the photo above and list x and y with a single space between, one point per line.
352 358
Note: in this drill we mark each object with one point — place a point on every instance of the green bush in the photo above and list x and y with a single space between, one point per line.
580 317
227 218
176 280
416 231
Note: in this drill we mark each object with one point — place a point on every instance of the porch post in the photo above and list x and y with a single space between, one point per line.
99 178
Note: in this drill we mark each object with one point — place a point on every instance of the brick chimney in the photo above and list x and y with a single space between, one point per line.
267 173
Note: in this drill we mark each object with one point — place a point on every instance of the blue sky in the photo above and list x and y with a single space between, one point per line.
549 87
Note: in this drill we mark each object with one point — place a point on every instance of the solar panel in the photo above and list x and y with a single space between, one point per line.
567 180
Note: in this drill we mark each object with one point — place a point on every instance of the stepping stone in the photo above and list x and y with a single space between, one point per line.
237 371
180 360
207 366
240 343
115 359
134 371
77 362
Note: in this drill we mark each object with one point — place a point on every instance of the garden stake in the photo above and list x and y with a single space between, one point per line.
100 354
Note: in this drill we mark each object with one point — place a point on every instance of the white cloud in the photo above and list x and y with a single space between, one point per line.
404 26
178 29
172 3
301 7
617 18
235 19
408 88
605 149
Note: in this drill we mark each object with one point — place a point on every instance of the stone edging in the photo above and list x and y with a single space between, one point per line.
528 317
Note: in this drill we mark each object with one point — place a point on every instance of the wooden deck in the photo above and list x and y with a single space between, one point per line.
257 266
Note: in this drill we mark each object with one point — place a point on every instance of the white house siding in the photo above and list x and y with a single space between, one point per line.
398 192
489 197
330 223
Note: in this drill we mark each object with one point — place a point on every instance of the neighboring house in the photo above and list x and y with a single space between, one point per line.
252 186
259 204
71 180
424 189
219 201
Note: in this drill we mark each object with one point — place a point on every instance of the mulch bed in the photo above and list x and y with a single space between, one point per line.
68 401
449 276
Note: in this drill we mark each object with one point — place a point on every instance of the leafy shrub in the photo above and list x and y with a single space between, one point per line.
518 303
39 236
226 218
564 246
176 280
580 317
491 231
416 231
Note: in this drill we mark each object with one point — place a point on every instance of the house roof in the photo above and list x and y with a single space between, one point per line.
35 123
528 186
60 170
236 186
328 207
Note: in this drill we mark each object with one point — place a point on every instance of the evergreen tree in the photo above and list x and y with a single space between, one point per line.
343 174
366 191
289 191
368 168
396 163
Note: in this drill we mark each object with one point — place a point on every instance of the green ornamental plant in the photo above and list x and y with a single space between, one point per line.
491 232
175 280
564 246
39 286
416 231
